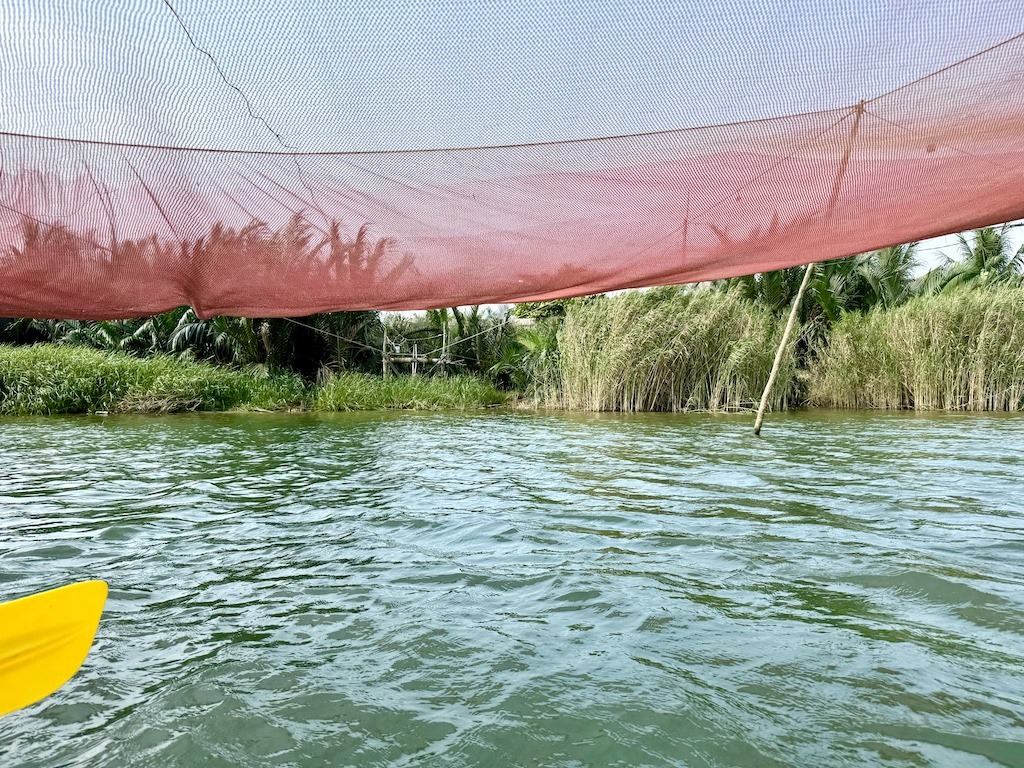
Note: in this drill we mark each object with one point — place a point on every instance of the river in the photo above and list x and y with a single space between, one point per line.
526 589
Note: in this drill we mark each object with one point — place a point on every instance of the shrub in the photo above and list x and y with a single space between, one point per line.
363 392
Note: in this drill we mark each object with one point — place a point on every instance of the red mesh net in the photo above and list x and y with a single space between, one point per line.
93 229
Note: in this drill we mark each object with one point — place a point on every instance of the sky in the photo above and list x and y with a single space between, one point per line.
397 74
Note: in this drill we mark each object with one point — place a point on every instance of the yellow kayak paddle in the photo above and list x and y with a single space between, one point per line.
44 639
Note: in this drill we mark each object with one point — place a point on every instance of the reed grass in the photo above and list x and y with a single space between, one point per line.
51 379
364 392
671 349
958 351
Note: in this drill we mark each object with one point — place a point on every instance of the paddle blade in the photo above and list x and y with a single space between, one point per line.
44 639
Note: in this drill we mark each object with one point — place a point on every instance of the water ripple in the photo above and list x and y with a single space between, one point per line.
526 589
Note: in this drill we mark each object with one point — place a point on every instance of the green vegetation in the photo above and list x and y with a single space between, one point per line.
50 379
531 363
672 349
302 345
986 258
46 379
874 333
363 392
959 350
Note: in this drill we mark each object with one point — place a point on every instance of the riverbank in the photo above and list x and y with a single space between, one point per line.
48 379
667 349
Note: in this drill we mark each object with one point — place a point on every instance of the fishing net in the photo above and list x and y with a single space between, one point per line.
253 161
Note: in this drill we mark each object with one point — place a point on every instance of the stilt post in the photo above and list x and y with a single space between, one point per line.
444 346
782 349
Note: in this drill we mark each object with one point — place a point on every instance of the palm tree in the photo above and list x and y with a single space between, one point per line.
837 287
986 257
152 335
530 363
774 290
25 330
882 278
889 274
231 340
335 341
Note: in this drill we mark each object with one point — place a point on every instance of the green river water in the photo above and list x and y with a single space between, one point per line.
520 589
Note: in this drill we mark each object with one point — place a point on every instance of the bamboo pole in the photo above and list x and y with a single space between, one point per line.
833 198
782 349
444 346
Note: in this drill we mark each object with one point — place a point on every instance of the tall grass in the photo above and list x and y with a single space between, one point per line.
363 392
961 351
49 379
672 349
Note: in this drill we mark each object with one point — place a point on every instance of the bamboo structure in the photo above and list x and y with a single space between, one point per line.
392 354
